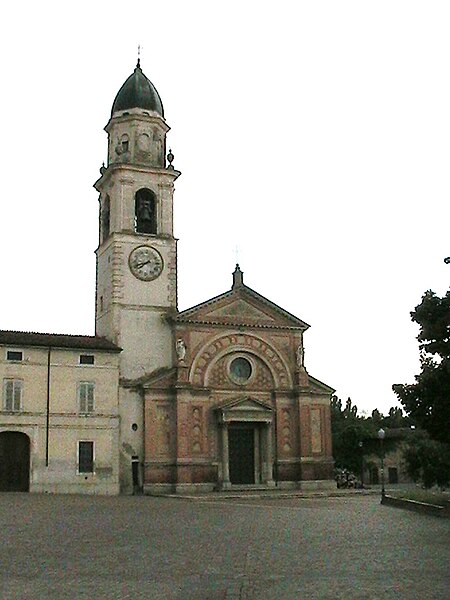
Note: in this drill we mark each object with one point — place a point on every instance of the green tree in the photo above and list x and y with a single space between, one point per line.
356 436
349 431
395 419
427 401
428 461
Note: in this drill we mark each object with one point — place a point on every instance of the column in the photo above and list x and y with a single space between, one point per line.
226 484
269 457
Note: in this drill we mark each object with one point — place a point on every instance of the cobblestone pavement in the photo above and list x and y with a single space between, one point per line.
78 547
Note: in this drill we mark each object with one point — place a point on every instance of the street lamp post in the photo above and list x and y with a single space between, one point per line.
381 436
360 444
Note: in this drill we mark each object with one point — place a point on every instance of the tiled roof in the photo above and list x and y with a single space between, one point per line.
56 340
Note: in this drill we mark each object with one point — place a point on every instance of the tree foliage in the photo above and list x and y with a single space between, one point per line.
427 400
428 461
355 436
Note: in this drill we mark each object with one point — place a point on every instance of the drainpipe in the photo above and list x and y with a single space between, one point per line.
47 424
143 457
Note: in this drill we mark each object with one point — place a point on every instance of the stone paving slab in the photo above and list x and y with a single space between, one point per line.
78 547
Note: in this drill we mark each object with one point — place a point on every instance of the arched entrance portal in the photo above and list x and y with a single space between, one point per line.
14 462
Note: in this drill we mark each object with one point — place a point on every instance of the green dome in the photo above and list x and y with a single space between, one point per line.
138 92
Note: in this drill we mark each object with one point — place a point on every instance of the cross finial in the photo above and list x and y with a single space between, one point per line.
139 56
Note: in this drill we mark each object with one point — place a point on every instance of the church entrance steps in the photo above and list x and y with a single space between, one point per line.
275 494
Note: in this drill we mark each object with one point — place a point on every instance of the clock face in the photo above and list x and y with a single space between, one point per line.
146 263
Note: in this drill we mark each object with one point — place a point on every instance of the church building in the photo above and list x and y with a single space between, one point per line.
215 397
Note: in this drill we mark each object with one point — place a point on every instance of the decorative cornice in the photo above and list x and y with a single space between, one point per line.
237 324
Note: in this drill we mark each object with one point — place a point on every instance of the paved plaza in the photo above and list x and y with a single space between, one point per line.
57 547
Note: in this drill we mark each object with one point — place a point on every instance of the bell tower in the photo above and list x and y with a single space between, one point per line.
137 254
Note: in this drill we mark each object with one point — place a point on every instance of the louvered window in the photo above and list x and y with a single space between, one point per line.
12 394
86 397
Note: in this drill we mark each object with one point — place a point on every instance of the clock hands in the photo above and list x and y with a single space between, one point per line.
141 264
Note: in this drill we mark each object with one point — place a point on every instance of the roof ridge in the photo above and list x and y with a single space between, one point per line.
49 333
62 340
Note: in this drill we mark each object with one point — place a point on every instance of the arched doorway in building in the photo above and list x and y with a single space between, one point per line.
14 462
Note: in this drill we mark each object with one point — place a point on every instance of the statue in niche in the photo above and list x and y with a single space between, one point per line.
300 356
181 350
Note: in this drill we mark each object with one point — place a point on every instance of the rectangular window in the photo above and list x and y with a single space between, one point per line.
86 359
85 457
14 355
12 394
86 397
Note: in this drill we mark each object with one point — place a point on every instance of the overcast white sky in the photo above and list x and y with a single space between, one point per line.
315 136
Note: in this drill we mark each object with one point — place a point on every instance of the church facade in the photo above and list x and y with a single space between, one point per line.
215 397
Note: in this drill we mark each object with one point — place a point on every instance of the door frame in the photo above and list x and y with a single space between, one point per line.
250 413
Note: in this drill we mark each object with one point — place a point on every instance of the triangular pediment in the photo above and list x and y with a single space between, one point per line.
158 379
243 405
244 410
241 309
244 307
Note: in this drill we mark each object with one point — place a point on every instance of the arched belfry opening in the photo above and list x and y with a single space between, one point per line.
145 211
14 462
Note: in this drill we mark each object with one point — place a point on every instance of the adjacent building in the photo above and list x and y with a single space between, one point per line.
59 423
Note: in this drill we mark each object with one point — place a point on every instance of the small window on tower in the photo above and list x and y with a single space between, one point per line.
125 143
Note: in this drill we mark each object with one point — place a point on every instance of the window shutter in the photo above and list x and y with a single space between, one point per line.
9 394
12 394
90 397
82 392
17 394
